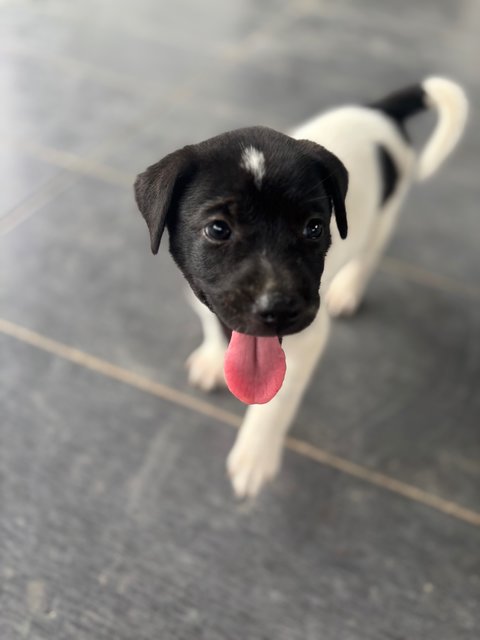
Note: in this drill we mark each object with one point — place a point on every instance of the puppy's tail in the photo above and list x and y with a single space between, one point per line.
450 102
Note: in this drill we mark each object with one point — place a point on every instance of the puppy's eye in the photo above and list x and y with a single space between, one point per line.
217 230
313 229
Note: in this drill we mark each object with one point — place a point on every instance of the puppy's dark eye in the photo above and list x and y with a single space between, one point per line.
217 230
313 229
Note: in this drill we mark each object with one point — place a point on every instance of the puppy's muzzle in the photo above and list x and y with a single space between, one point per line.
276 313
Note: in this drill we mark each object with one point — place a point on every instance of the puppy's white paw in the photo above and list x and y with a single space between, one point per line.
345 293
205 367
253 462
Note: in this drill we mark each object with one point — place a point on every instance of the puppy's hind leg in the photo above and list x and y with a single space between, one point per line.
205 364
348 286
257 452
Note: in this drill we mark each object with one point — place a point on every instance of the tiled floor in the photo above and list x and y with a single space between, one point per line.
116 517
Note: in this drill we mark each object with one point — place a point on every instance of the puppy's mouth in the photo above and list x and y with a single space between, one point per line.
254 367
255 364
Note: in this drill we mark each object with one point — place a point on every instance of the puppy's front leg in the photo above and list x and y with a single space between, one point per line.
205 364
257 452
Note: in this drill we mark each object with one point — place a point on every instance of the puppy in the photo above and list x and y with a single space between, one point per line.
249 219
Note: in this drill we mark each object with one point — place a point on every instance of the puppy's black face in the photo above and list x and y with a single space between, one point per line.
248 215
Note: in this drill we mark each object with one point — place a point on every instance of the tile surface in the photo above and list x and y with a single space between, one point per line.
170 128
117 521
116 516
396 390
63 108
22 175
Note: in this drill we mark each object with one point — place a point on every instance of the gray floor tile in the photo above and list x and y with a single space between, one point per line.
432 18
146 39
439 229
323 53
117 521
280 100
61 107
21 175
316 55
186 24
112 292
396 390
141 64
172 128
116 516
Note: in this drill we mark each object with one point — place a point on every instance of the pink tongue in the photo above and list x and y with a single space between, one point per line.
254 368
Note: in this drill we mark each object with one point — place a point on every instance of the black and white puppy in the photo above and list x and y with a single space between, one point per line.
248 214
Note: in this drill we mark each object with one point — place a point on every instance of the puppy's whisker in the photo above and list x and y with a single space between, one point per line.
313 188
319 199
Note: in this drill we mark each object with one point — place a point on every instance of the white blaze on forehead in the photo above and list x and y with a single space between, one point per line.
253 161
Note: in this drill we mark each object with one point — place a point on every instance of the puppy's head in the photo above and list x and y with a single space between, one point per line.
248 214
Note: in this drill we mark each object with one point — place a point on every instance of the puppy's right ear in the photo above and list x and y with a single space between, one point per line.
158 188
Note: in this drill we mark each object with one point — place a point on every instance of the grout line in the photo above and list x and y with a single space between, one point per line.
35 201
185 400
70 161
116 79
116 373
74 166
133 28
104 75
91 164
148 34
383 481
88 166
157 109
92 167
283 18
160 100
430 279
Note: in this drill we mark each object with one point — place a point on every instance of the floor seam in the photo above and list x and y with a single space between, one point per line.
428 278
88 166
36 200
93 165
105 76
180 398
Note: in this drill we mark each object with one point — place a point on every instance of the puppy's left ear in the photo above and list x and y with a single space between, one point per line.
336 185
158 189
334 177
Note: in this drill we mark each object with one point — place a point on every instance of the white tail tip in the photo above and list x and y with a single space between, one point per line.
451 103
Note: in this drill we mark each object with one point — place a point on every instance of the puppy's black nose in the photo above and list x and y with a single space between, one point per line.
276 310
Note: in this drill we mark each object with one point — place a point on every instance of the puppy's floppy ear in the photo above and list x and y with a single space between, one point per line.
158 188
336 185
334 177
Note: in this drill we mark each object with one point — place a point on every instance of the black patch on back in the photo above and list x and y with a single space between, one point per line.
388 172
401 105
